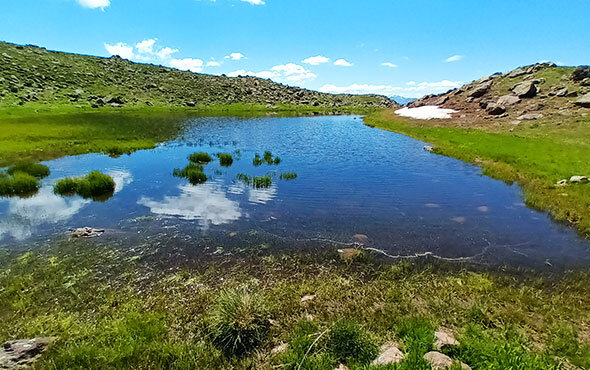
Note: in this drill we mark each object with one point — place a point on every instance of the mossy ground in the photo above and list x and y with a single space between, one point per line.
113 307
536 155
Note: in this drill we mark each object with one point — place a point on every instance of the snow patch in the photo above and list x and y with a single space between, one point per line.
426 112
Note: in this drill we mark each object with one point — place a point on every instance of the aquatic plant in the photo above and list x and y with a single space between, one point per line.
257 181
225 159
257 160
95 185
239 321
38 170
266 158
19 184
200 157
349 343
193 172
288 176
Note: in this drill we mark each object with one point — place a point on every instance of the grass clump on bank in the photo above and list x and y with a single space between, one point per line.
37 170
225 159
266 158
256 181
95 185
536 156
193 173
200 157
18 184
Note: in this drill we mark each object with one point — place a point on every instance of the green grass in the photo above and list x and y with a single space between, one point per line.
256 181
200 157
95 185
117 307
18 184
37 170
193 172
225 159
288 176
266 158
536 156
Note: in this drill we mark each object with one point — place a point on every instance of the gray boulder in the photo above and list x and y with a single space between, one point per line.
581 73
495 109
480 90
526 89
531 116
583 101
517 73
561 92
389 354
578 179
508 100
22 353
440 361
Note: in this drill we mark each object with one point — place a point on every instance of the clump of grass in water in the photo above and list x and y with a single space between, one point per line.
256 182
288 176
193 172
19 184
267 158
239 322
225 159
95 185
200 157
37 170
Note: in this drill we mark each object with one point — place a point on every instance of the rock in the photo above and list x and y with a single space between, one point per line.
439 361
149 104
585 82
341 367
360 238
428 148
517 73
348 254
86 232
115 105
578 179
561 92
389 354
22 353
232 235
441 100
526 89
583 101
307 298
516 122
495 109
281 348
190 104
480 90
443 336
561 182
508 100
469 100
531 116
580 73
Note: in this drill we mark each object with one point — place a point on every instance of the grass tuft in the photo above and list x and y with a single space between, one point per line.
95 185
193 172
200 157
225 159
350 344
38 170
19 184
288 176
256 182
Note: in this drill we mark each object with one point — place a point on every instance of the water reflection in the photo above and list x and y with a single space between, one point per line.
207 203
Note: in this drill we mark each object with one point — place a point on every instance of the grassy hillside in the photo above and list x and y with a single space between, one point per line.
41 79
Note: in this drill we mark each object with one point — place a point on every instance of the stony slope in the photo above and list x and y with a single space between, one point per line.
34 75
526 93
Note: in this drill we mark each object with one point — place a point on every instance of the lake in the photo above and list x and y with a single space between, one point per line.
354 183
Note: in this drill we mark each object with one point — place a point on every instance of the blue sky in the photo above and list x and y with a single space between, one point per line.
407 48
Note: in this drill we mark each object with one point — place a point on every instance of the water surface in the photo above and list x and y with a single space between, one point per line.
352 179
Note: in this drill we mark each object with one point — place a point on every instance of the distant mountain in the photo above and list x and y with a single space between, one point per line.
401 100
31 75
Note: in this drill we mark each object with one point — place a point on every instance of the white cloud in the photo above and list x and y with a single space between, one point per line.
316 61
342 63
235 56
146 46
389 64
213 63
93 4
255 2
263 74
187 64
293 72
411 83
121 49
454 58
412 90
166 52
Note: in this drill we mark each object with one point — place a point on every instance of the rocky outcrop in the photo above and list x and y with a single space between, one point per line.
581 73
86 232
508 100
583 101
22 353
480 90
495 109
525 89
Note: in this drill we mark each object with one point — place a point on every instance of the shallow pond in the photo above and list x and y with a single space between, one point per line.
351 180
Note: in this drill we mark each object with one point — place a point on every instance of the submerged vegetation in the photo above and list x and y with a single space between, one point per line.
200 157
95 185
266 158
225 159
117 307
256 181
193 173
288 176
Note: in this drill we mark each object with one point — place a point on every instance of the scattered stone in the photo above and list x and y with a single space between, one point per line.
360 238
517 73
561 182
341 367
578 179
581 73
428 148
526 89
469 100
531 116
480 90
494 109
281 348
439 361
443 336
22 353
86 232
561 92
508 100
307 298
348 254
585 82
584 101
516 122
389 354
